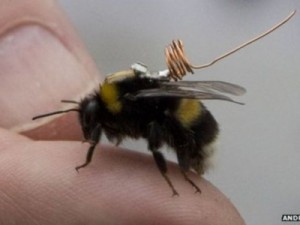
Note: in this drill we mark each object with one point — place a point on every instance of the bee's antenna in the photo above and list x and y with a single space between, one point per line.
70 101
54 113
178 64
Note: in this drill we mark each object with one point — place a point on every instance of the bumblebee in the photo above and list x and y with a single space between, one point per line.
160 108
139 104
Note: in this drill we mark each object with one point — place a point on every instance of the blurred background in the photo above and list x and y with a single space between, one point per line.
257 164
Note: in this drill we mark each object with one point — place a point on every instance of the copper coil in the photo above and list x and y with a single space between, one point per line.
179 65
176 60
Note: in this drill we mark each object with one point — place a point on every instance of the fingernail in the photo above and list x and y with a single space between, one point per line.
36 72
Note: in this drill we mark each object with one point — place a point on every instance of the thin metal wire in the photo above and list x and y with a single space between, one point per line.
179 65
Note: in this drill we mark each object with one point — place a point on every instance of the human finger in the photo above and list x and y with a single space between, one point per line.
41 185
42 61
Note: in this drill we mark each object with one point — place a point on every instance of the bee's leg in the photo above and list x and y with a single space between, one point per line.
89 156
183 157
154 142
184 169
162 166
95 137
183 142
191 182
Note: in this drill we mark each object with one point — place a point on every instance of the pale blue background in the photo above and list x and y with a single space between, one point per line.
258 159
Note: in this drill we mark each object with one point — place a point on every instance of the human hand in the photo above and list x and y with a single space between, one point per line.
42 61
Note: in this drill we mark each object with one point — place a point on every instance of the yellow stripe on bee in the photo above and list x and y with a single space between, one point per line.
188 111
109 94
119 76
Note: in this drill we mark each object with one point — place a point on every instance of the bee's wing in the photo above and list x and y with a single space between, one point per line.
193 89
220 86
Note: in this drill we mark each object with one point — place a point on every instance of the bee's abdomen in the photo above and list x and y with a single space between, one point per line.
205 133
188 111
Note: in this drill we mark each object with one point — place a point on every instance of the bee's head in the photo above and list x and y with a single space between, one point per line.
89 110
89 115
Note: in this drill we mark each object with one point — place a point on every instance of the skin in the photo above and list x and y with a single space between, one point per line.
41 61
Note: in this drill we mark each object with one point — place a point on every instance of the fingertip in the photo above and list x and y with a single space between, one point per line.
8 138
118 186
133 185
41 62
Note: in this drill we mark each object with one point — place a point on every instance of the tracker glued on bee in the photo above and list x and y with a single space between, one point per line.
160 108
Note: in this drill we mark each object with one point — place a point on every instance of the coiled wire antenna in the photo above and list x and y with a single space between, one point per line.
179 65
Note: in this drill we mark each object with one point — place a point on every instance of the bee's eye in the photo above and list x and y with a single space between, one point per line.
90 113
86 119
